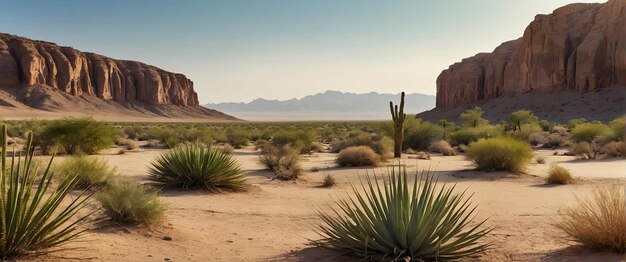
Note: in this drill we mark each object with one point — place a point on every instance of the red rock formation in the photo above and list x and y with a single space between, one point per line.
24 62
578 47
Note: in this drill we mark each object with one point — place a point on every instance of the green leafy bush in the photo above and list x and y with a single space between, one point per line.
190 166
403 220
76 135
382 145
237 138
465 136
91 171
300 139
357 156
588 132
501 153
35 215
418 135
130 203
473 117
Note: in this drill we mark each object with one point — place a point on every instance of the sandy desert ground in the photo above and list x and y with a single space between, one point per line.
273 221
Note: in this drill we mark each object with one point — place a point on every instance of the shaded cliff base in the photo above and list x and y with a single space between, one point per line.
44 102
603 104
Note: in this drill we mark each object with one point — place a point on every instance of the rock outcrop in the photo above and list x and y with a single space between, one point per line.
579 47
25 62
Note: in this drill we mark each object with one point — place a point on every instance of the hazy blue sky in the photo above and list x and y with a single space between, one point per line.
238 50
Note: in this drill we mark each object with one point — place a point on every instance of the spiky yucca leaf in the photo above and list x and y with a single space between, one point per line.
32 214
395 219
190 166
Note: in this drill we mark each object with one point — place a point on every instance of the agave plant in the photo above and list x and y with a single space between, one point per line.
33 217
189 166
402 220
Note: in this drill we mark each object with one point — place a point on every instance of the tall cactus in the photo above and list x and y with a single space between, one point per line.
398 117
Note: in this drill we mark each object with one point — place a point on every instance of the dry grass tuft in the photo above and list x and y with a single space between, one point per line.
328 181
442 147
358 156
559 175
598 222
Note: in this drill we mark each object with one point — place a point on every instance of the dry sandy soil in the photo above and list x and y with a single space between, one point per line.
273 220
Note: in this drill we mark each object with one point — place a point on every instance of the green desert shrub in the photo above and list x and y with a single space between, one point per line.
442 147
501 153
402 220
357 156
597 222
190 166
78 135
473 117
585 150
130 203
418 135
36 215
618 129
91 171
589 132
559 175
300 139
465 136
237 138
523 117
284 161
573 123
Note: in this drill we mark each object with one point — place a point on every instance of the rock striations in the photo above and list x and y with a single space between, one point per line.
25 62
579 47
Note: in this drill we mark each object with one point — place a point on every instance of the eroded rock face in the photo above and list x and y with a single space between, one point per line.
578 47
24 62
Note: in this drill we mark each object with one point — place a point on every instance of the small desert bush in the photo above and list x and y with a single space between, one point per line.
501 153
555 140
227 148
589 132
90 171
132 144
537 138
540 159
585 150
328 181
261 144
284 161
403 220
614 149
78 135
152 143
559 175
357 156
618 129
598 222
237 138
36 215
442 147
471 134
419 135
300 139
420 155
130 203
382 145
190 166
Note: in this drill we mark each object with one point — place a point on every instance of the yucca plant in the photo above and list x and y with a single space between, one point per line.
33 217
400 220
189 166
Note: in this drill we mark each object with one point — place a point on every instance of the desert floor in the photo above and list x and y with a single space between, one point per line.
273 221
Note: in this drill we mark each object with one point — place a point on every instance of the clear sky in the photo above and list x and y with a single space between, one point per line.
238 50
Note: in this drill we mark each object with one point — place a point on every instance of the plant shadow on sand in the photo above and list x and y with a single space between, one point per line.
313 254
577 253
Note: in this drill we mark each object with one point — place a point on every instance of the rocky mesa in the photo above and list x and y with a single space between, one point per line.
27 62
577 48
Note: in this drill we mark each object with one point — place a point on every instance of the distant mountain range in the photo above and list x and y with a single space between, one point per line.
330 105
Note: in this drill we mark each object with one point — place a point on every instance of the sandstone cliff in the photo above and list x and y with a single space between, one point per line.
579 47
25 63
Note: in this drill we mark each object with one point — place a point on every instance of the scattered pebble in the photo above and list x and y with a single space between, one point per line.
166 238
